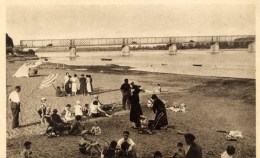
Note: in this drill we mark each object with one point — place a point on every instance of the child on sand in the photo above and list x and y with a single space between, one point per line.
27 153
96 130
44 109
229 152
180 153
144 126
78 109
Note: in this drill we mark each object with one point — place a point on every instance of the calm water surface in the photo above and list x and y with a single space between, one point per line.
238 64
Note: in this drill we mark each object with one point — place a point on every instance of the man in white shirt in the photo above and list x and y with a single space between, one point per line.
15 106
96 110
132 145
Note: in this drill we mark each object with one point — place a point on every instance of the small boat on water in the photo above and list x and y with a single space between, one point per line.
106 59
197 64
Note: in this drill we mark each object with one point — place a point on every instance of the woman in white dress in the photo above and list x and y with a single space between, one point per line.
89 84
74 81
68 113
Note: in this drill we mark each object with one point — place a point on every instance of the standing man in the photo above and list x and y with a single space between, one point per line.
15 106
194 150
126 91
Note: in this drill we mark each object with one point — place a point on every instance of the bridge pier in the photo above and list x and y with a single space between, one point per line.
173 49
72 52
125 50
214 48
251 47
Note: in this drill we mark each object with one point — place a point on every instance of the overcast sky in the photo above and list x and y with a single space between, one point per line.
92 21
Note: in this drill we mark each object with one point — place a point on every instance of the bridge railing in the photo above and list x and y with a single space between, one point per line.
133 41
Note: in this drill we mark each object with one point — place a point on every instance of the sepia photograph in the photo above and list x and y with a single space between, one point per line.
130 79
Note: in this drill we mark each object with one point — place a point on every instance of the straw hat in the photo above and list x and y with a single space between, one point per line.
43 98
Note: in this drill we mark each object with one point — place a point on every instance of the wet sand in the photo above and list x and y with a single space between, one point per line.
213 103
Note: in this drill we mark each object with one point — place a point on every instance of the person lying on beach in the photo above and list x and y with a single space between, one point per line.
44 109
180 153
76 127
96 130
60 92
86 144
95 108
26 152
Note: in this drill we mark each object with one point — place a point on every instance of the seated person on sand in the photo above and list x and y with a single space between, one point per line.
26 152
110 150
69 115
86 144
76 127
132 146
145 127
78 109
44 109
85 110
95 108
57 121
96 130
180 153
60 92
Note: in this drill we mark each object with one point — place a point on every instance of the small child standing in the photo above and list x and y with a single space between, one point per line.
180 153
27 153
44 109
229 152
96 130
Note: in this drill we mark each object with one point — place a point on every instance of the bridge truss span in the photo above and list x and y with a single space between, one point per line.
133 41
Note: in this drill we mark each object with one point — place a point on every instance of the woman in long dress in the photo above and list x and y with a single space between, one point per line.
160 113
135 110
74 84
89 84
68 86
66 78
83 85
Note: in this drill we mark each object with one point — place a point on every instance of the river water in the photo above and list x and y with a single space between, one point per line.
229 63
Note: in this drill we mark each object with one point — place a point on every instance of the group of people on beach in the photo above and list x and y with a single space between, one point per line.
75 85
70 121
130 100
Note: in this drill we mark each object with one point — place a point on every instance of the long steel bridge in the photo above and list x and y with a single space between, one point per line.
134 41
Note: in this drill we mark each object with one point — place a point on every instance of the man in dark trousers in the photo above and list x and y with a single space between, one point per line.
194 150
15 106
126 92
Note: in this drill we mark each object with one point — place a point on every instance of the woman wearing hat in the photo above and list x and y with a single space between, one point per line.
135 110
160 113
44 109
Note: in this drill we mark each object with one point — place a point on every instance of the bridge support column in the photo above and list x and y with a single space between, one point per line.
125 50
173 49
72 52
251 47
214 48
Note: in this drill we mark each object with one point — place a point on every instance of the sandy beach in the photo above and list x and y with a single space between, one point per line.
213 103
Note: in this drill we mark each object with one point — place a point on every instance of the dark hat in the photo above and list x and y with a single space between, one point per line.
27 143
189 136
55 111
154 96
